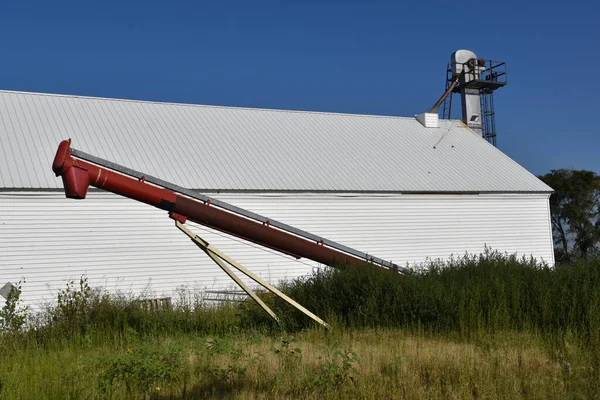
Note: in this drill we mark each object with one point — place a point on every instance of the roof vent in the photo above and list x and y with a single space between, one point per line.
428 120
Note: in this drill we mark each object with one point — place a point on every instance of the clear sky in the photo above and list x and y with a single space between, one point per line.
364 57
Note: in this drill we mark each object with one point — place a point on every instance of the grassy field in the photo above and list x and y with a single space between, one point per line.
360 363
485 327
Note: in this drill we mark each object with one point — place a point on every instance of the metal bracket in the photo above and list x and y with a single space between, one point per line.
5 290
222 260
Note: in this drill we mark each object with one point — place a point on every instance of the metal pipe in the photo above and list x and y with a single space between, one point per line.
446 93
77 175
234 209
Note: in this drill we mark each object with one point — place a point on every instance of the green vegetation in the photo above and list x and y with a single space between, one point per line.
481 327
13 315
575 207
469 295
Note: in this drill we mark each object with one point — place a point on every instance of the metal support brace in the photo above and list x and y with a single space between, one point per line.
222 260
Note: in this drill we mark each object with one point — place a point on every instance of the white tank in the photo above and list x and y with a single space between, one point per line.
460 57
470 98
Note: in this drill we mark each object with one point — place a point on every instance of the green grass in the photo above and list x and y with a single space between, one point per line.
358 363
483 327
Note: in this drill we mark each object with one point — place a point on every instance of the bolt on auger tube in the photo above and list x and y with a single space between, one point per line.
78 175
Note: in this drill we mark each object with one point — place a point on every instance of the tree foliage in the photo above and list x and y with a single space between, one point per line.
575 207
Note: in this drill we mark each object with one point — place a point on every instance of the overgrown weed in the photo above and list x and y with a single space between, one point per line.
477 327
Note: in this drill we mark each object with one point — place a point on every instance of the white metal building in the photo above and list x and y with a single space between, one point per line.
388 186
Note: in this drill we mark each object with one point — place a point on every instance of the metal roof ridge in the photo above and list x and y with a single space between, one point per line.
74 96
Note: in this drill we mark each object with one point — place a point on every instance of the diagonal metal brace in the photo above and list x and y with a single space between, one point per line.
221 259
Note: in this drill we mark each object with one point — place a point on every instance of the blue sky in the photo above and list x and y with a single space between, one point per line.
358 57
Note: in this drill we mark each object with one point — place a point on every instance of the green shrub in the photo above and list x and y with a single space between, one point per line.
13 315
491 292
335 372
142 370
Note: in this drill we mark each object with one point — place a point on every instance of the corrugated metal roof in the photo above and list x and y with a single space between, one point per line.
223 148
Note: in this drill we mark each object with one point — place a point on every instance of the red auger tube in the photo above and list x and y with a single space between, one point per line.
78 175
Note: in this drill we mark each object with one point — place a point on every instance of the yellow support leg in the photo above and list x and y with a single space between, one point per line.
220 259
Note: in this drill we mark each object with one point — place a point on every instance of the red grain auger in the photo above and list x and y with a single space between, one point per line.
80 170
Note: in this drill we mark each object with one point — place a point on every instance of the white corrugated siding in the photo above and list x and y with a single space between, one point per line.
122 244
224 148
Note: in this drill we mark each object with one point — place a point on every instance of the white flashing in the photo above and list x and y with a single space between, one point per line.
428 120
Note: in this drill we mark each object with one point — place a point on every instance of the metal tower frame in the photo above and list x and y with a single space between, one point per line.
493 77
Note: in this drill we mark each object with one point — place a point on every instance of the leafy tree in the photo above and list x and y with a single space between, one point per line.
575 207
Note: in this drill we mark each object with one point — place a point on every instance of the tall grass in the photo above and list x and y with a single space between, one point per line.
544 321
488 293
81 314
